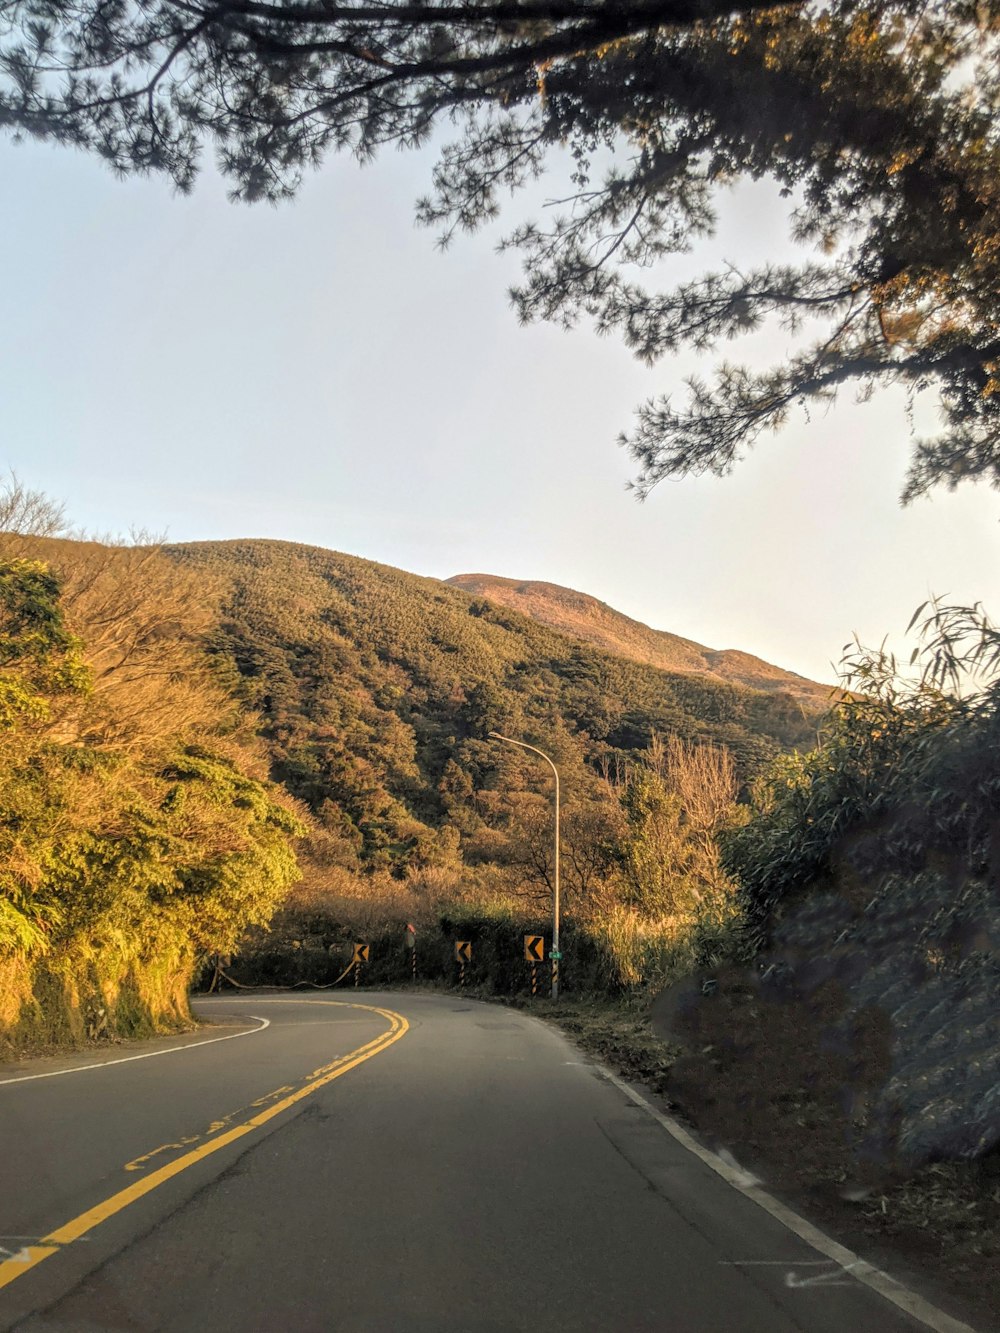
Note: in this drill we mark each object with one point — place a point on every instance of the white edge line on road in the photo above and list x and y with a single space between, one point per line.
886 1286
146 1055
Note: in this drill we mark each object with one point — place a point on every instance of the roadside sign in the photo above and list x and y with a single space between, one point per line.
411 936
555 955
463 951
534 948
361 953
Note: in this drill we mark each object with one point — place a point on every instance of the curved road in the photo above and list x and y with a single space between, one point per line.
411 1162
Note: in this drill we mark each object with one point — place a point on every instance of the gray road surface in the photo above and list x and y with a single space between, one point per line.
477 1175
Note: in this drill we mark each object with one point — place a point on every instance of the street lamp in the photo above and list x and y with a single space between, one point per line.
555 955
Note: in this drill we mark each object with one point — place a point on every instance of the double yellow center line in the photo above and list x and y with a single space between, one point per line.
31 1256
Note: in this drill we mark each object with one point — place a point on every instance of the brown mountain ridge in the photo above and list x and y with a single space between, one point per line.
584 617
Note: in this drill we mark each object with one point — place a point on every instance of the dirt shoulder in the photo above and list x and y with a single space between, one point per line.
938 1230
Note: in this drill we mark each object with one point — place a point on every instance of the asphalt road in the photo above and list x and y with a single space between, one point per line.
418 1163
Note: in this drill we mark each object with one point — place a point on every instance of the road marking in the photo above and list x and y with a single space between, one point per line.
146 1055
137 1163
849 1263
833 1277
32 1255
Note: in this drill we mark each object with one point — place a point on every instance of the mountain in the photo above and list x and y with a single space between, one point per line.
377 690
584 617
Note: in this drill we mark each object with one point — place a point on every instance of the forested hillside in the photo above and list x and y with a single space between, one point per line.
377 690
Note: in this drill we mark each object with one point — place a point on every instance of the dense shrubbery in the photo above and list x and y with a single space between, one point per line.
912 764
310 943
137 827
644 896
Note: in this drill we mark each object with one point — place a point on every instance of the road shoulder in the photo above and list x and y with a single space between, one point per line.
622 1037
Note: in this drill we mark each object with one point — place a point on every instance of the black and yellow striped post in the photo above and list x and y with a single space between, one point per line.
411 944
359 960
534 953
463 955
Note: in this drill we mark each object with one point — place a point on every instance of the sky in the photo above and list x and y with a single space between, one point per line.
321 372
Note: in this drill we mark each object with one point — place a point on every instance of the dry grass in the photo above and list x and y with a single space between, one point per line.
948 1214
617 1033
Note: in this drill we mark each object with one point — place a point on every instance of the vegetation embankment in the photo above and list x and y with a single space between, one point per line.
870 880
138 829
848 1038
651 900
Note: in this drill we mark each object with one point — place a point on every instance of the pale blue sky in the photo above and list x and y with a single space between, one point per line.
321 373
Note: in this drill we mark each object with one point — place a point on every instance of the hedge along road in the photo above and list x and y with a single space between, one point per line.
412 1162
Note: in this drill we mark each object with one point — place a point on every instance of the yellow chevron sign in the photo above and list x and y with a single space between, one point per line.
534 948
463 951
361 953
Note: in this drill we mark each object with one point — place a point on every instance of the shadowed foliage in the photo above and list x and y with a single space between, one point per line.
877 123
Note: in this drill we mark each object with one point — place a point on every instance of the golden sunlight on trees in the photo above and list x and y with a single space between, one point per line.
675 804
137 828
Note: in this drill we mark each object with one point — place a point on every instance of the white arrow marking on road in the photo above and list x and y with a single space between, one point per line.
836 1276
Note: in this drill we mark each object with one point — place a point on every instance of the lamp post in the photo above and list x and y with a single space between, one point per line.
555 953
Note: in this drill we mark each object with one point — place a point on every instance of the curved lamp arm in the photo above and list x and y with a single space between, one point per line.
523 745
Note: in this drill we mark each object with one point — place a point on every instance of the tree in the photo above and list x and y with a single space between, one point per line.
878 123
135 814
590 837
40 661
676 803
25 514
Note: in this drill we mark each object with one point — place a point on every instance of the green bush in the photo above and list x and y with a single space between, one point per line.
912 763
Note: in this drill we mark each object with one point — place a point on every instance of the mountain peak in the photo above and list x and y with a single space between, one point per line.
585 617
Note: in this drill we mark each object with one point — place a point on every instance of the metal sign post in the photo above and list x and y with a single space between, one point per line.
495 735
556 957
411 944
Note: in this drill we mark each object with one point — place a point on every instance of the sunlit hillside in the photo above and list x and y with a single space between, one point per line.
584 617
378 689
